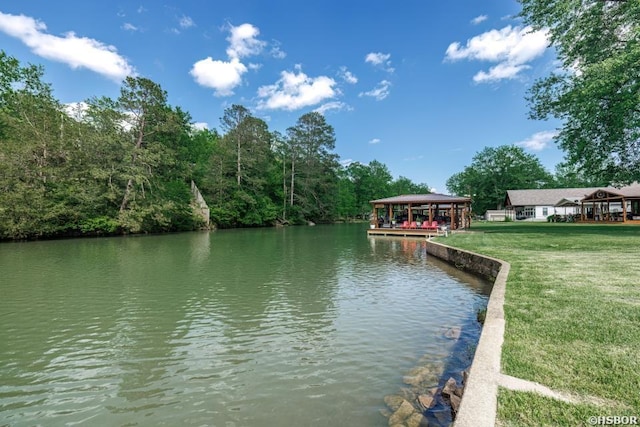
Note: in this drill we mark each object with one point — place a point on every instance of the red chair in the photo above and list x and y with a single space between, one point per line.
413 225
425 225
434 225
405 224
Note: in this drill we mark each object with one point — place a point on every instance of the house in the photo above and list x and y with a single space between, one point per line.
537 205
584 204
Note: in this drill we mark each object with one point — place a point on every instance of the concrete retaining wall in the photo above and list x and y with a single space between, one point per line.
477 264
480 399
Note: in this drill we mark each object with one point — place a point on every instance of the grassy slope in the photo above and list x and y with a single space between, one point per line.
573 316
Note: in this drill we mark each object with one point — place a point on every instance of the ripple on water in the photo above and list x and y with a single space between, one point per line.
180 330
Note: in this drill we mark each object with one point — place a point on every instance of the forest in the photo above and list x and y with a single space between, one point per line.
123 166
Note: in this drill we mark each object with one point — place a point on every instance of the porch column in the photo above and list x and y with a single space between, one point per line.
452 216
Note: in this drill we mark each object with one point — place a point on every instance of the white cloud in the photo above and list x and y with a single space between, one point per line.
375 141
295 90
479 19
379 59
77 52
243 41
538 141
347 76
200 126
380 92
224 76
333 106
129 27
76 110
186 22
510 47
276 51
499 72
220 75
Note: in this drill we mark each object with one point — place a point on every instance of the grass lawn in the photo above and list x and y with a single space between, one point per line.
572 313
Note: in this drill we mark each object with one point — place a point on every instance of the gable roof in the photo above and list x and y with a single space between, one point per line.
545 197
421 199
554 196
630 191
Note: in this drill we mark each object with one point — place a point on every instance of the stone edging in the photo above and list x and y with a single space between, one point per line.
480 399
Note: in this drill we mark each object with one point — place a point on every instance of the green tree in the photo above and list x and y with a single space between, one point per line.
404 185
370 182
493 171
36 154
143 102
313 171
240 174
567 175
596 92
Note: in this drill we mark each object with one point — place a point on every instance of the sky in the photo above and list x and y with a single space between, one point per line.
421 86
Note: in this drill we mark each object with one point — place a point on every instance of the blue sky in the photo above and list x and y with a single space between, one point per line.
420 86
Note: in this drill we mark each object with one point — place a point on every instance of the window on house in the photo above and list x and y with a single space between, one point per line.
545 211
529 211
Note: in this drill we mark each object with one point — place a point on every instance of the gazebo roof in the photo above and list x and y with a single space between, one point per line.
421 199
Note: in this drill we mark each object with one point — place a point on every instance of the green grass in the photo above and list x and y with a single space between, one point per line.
572 313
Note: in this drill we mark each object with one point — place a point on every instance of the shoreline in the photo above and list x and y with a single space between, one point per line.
478 406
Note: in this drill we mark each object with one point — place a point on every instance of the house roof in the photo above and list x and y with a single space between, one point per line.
545 197
422 199
555 196
566 203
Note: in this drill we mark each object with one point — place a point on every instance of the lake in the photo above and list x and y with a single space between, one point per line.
291 326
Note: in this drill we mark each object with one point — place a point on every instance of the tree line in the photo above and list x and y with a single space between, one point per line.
125 165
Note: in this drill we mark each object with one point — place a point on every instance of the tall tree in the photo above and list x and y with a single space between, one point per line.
596 92
240 171
144 102
35 154
493 171
567 175
404 185
370 181
314 167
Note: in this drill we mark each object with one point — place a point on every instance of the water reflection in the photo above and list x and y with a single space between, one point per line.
299 326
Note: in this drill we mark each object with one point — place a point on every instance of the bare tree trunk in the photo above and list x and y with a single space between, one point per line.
134 157
284 188
293 174
238 148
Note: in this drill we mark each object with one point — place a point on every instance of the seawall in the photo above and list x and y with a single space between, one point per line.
479 401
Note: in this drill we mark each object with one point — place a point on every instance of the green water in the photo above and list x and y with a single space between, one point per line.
302 326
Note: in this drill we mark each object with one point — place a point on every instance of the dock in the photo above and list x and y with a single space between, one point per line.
405 232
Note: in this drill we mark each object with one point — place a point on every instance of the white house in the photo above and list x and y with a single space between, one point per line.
590 203
537 205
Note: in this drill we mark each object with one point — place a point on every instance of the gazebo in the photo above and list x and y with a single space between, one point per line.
414 209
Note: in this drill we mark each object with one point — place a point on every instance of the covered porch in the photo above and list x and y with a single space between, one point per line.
419 214
612 205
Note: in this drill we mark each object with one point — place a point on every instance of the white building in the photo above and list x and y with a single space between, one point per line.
537 205
590 203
